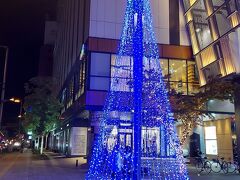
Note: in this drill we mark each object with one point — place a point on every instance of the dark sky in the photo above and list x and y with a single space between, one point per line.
22 29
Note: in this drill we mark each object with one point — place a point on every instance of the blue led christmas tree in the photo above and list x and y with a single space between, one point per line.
137 138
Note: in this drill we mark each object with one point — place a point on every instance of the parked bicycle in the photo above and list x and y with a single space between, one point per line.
233 166
219 165
202 164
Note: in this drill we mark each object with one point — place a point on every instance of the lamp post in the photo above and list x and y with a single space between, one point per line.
3 82
17 100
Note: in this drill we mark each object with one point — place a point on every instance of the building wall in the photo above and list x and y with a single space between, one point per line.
224 137
106 19
73 25
97 24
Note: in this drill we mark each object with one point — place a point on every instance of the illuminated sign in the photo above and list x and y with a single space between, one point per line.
211 140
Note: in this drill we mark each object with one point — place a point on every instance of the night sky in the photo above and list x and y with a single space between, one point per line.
22 30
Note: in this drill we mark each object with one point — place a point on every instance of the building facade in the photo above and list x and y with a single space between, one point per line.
84 57
214 29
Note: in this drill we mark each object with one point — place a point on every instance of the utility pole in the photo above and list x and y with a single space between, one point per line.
3 83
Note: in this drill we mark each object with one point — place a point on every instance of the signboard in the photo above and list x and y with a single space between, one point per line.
79 141
211 140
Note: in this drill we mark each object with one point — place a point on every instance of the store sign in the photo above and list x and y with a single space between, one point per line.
211 147
79 141
211 140
210 132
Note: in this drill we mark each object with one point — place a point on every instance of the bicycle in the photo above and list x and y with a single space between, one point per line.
202 164
218 165
233 166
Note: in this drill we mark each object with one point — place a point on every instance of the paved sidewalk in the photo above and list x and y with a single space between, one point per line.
25 166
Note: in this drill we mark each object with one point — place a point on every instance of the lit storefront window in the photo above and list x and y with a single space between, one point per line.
108 71
164 66
121 73
192 75
178 75
211 140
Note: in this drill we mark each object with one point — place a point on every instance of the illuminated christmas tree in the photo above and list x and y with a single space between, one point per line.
137 138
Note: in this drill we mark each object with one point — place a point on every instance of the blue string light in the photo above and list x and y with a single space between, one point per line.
137 138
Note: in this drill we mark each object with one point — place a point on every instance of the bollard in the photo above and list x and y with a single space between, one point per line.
77 163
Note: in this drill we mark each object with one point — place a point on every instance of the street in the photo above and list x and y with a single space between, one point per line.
26 166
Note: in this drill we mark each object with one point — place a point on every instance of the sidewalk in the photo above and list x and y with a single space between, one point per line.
59 160
27 166
53 166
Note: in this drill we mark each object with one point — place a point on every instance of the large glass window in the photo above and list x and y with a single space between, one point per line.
223 22
217 3
121 73
99 71
178 75
164 66
201 24
177 70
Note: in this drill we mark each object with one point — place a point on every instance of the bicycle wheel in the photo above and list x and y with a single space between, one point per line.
199 166
232 167
216 167
225 167
207 167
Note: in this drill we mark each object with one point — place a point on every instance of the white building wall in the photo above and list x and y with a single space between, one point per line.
106 18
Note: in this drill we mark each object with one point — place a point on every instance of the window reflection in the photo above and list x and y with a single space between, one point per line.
223 22
180 75
217 3
179 87
164 66
201 24
177 70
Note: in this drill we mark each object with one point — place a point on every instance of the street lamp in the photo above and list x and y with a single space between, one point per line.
16 100
3 82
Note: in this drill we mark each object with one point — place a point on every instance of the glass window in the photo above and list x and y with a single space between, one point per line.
121 73
99 83
232 6
100 64
179 87
81 79
177 70
164 66
217 3
100 71
188 3
192 72
201 24
223 22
